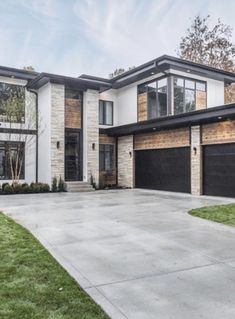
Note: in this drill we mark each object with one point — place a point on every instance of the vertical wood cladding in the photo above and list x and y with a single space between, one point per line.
142 107
163 139
108 178
72 113
200 100
221 132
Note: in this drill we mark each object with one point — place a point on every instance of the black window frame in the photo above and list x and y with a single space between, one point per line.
184 78
103 103
105 149
3 146
170 92
3 117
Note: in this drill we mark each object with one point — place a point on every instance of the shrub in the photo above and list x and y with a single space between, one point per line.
54 185
8 189
4 185
44 188
35 188
61 185
17 188
26 189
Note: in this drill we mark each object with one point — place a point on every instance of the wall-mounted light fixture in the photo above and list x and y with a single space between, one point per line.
93 146
195 150
130 154
58 144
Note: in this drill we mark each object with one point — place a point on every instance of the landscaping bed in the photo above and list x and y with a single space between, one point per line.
33 284
224 214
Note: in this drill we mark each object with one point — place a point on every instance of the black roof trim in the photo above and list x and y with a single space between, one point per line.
165 62
79 83
17 73
210 115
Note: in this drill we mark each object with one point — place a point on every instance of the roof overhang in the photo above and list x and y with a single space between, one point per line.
74 83
17 73
165 63
210 115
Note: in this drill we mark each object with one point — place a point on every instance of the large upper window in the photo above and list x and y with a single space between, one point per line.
10 150
189 95
106 157
156 92
12 103
105 112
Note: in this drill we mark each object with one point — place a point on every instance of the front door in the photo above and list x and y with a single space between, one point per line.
73 157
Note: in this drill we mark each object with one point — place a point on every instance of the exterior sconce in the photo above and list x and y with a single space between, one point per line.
130 154
93 146
58 145
195 150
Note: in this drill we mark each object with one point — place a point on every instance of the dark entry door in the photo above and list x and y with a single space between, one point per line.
219 170
164 169
72 156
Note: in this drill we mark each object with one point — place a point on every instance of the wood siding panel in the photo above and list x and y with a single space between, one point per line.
200 100
72 113
215 133
142 107
164 139
108 178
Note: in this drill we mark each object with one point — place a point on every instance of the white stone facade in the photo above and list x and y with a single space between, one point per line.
91 136
125 161
57 131
196 161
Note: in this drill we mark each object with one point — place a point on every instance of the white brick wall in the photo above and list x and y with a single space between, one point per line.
91 135
125 161
196 161
57 130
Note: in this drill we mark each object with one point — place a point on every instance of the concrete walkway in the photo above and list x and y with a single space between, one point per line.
137 253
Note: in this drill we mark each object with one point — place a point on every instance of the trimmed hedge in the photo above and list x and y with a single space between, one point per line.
24 188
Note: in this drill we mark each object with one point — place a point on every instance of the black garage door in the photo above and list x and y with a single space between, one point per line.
165 169
219 170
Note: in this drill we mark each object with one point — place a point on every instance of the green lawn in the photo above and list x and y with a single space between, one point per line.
33 285
221 213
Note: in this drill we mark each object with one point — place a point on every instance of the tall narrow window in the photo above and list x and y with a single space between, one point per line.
162 97
152 100
106 157
105 112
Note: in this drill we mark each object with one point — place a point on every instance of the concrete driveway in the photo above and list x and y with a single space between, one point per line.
137 253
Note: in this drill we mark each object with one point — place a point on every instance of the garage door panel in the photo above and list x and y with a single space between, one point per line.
219 170
165 169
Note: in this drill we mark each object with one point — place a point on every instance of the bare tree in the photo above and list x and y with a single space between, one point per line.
119 71
211 46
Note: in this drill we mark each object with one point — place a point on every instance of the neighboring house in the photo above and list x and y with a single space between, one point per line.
163 125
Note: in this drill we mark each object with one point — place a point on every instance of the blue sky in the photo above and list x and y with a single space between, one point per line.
72 37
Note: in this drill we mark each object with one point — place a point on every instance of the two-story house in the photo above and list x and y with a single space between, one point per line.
163 125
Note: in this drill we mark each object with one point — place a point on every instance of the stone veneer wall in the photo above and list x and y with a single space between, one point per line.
125 161
57 130
196 160
92 134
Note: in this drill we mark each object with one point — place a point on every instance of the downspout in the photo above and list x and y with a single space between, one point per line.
36 95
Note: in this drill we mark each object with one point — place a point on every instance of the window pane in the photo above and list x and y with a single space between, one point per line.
101 113
152 100
162 83
178 100
201 86
2 162
189 100
178 82
162 101
190 84
142 88
108 113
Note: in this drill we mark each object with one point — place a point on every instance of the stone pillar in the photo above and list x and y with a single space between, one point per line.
125 161
57 131
196 161
91 135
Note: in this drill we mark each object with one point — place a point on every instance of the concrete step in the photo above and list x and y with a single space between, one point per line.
79 186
